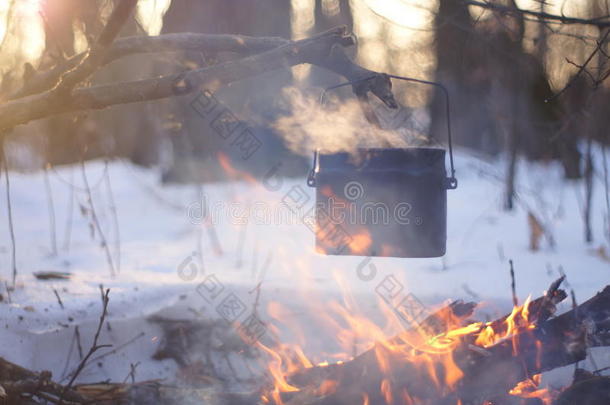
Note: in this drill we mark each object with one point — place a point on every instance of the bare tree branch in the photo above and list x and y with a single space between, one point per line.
98 51
583 68
597 22
323 50
210 43
11 228
94 346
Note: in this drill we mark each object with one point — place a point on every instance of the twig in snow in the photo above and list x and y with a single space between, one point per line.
69 355
209 226
61 304
79 345
208 221
51 210
501 252
511 170
95 220
119 347
588 188
10 213
469 291
606 189
257 290
260 276
115 219
513 285
68 231
94 347
8 292
599 371
132 373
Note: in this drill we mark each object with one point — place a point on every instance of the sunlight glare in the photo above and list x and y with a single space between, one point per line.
150 15
414 14
23 40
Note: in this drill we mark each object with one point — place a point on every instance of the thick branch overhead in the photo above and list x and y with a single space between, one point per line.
208 43
324 49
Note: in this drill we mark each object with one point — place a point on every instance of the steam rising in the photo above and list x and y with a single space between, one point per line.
340 125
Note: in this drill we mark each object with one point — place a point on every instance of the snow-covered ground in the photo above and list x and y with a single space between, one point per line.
162 251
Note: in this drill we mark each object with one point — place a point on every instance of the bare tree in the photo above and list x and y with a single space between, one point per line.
55 91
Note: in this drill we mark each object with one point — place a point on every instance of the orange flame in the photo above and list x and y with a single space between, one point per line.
431 353
530 389
516 321
234 173
386 390
327 387
276 371
360 242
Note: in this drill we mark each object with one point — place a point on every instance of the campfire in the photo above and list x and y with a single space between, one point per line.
96 199
447 358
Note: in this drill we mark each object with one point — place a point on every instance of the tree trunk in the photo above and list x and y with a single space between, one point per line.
196 146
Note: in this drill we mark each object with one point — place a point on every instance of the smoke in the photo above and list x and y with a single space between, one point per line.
340 125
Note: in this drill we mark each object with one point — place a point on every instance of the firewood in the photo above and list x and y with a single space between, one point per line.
587 389
445 318
362 374
17 380
487 374
391 372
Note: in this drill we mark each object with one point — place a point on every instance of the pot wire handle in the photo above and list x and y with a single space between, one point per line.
452 182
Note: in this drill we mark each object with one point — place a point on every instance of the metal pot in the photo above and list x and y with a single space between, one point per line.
381 202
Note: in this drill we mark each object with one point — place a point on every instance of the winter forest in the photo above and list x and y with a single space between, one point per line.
304 202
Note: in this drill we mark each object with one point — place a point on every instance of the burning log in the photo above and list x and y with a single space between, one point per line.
443 319
444 362
587 388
